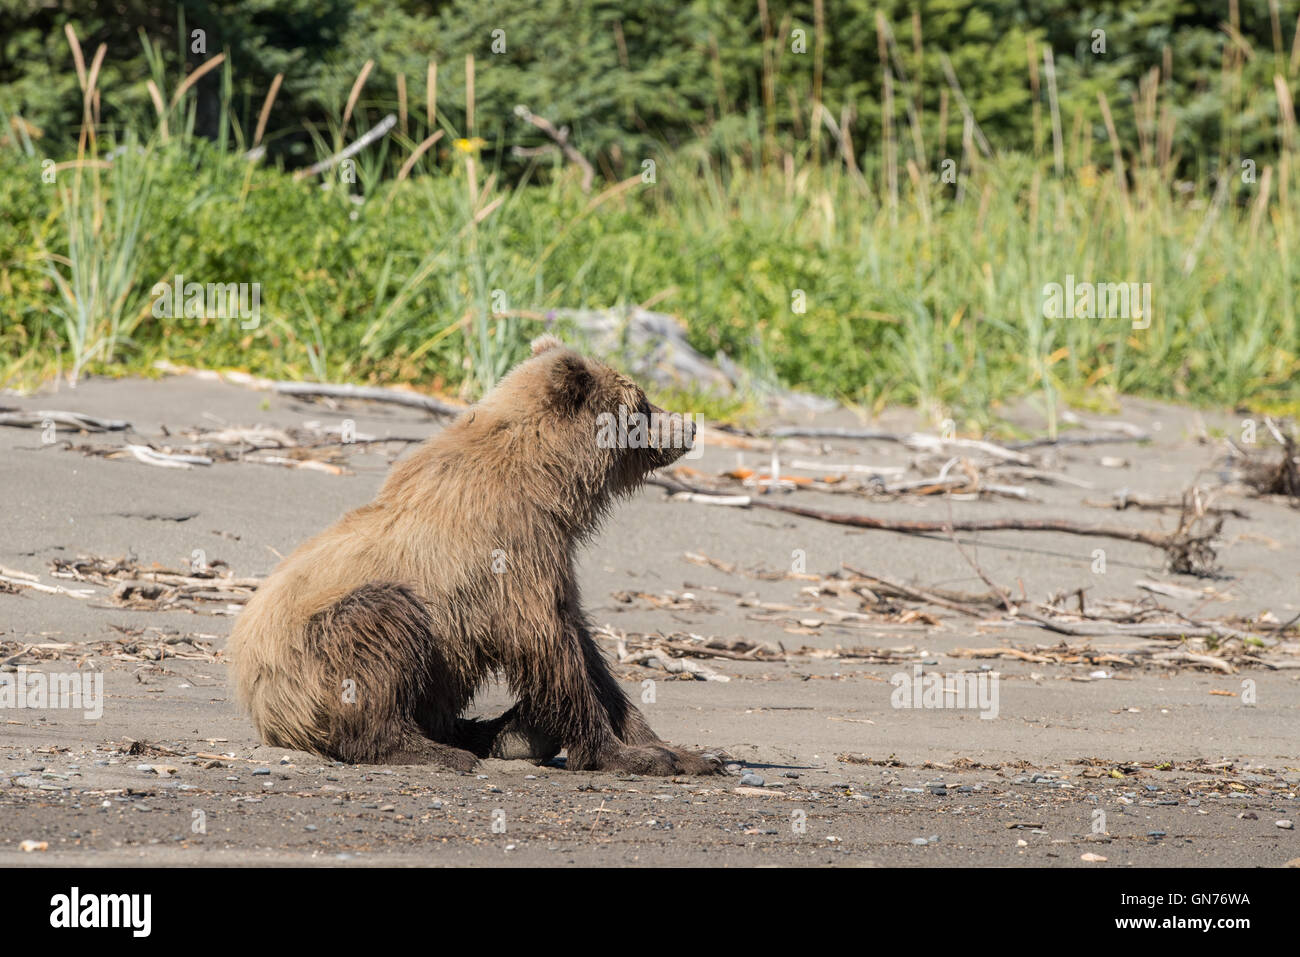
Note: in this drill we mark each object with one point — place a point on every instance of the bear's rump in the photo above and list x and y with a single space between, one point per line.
371 675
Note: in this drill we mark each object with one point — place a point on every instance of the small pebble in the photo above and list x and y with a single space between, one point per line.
1285 825
261 772
749 779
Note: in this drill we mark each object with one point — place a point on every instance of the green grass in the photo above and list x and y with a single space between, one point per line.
914 290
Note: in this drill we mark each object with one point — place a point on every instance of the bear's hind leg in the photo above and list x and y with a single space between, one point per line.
389 695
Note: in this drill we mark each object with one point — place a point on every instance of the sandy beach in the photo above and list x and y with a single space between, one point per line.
1101 745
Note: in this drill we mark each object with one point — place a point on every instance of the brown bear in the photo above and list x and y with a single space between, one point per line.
368 642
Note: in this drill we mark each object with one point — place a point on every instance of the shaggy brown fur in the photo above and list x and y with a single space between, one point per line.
369 641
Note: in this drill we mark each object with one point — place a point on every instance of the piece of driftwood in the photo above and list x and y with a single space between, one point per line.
659 657
803 465
1102 438
1208 661
1100 629
919 441
412 400
377 131
17 579
904 590
1189 548
1105 425
1128 658
1124 499
1267 473
166 460
958 477
560 137
76 420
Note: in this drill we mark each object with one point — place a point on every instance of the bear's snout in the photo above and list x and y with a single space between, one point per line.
672 435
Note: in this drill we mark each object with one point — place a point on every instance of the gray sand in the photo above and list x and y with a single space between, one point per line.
1137 747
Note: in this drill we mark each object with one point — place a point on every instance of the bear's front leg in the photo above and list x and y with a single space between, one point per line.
603 730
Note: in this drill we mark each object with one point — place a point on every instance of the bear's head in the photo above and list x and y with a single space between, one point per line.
589 424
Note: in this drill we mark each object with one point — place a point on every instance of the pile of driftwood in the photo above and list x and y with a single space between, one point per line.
954 467
1267 472
211 588
316 447
677 652
313 446
135 645
1149 633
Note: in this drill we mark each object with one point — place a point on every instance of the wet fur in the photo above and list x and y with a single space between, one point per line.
368 643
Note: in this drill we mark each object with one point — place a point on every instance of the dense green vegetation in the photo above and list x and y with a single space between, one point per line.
876 228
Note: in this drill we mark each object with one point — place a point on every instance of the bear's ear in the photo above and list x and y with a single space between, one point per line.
572 383
545 343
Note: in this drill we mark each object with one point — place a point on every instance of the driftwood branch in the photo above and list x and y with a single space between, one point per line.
1102 438
377 131
77 420
561 138
916 594
1007 451
372 393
